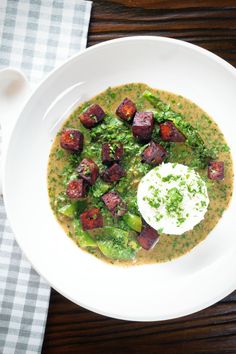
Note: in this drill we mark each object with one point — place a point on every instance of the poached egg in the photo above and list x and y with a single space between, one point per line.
172 198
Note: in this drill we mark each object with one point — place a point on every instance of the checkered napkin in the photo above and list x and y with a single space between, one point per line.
35 36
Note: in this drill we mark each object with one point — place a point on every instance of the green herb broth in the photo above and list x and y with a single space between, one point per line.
62 164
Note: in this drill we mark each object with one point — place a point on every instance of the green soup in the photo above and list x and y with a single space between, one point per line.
62 166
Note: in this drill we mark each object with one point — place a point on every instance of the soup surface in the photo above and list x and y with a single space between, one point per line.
63 163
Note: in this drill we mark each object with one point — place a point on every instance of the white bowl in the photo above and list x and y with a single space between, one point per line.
144 293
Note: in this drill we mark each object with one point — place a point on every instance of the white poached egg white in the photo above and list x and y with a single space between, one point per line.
172 198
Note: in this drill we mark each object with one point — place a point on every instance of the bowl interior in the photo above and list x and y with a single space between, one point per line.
117 291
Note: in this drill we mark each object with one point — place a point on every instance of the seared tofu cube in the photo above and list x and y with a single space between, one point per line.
72 140
154 154
91 219
111 152
126 110
93 115
169 132
216 170
148 238
143 125
88 170
114 204
113 173
76 189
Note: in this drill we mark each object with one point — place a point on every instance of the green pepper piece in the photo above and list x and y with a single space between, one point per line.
193 139
99 188
68 210
117 244
83 237
111 250
133 221
111 231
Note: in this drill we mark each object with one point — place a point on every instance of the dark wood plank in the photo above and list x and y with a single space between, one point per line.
212 27
172 4
72 329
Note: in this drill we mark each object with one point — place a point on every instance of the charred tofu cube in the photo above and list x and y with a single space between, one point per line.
111 152
113 173
114 204
154 154
143 125
216 170
76 189
88 170
169 132
72 140
91 219
126 110
92 116
148 238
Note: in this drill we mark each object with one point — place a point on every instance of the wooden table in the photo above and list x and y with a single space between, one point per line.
72 329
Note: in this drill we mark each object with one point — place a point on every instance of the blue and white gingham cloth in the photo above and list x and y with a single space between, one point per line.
35 36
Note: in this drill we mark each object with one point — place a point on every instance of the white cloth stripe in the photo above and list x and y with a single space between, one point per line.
17 320
35 36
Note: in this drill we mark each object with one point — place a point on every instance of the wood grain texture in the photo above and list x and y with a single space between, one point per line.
72 329
212 27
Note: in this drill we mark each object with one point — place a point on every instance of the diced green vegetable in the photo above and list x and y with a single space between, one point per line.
133 221
84 238
112 231
117 244
164 112
68 210
99 188
71 209
112 250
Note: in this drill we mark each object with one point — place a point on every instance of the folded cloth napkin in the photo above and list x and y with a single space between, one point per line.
35 36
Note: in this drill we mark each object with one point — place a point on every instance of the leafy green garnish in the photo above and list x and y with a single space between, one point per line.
173 201
99 188
59 154
164 112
